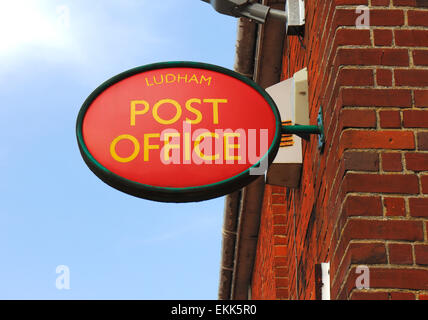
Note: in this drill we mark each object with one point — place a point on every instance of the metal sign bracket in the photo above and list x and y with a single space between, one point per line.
304 131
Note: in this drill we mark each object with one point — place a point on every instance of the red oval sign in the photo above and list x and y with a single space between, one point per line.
178 131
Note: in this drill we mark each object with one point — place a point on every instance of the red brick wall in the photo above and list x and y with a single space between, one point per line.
270 274
364 201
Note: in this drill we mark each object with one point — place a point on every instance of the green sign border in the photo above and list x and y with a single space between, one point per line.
168 194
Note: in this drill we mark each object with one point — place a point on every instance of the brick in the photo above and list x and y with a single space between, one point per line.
360 253
367 253
412 77
382 37
390 119
279 219
381 139
279 239
347 2
281 293
280 251
417 161
358 118
406 3
376 56
384 230
415 119
369 295
421 98
396 278
411 3
386 17
281 282
279 209
377 183
411 38
352 37
380 2
355 77
391 162
280 261
384 77
424 183
426 228
421 3
402 296
278 199
420 57
418 207
377 97
421 254
422 138
279 230
417 18
361 161
394 206
378 17
363 206
400 253
281 272
277 190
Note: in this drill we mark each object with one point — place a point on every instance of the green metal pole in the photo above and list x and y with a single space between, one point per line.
305 131
301 129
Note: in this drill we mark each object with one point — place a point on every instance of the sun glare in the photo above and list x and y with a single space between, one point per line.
27 23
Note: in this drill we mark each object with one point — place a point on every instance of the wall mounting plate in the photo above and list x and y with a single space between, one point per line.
295 11
321 136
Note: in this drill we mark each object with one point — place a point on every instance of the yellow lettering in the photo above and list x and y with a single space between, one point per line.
173 119
187 146
206 79
194 111
148 84
148 146
169 78
198 150
168 146
156 82
132 156
134 112
182 78
215 103
194 78
228 146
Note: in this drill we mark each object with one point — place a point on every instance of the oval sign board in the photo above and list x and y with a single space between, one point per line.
178 131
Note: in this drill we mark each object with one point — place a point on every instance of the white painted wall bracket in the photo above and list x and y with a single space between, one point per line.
291 98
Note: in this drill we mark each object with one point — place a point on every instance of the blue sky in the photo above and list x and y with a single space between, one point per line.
53 209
